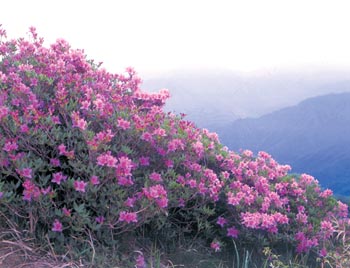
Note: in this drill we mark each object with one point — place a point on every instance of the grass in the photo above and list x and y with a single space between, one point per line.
17 250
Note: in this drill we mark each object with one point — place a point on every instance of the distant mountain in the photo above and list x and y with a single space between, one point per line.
313 137
213 99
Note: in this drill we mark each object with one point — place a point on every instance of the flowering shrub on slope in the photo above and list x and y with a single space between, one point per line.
87 155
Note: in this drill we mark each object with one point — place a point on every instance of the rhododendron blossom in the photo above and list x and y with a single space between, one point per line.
215 246
58 177
10 146
123 124
31 191
155 177
144 161
94 180
100 219
80 186
232 232
107 160
57 226
25 172
221 221
128 217
327 229
55 162
140 262
66 212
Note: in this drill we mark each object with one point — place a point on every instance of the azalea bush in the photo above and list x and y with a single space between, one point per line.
88 158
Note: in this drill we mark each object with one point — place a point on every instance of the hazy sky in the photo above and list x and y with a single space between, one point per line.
160 35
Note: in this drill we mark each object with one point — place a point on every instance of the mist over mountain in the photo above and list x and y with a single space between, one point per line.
313 137
278 112
213 99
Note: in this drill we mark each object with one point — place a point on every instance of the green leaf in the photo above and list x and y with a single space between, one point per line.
79 208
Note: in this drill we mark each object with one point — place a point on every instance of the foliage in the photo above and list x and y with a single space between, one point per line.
89 159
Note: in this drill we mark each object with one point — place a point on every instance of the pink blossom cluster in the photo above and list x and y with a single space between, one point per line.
31 191
264 221
157 193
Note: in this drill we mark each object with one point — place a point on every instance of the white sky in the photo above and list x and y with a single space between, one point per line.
161 35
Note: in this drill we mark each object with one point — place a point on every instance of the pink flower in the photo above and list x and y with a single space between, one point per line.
144 161
78 122
55 119
10 146
147 137
100 219
123 124
327 229
66 212
234 199
180 180
62 149
305 243
192 183
80 186
301 218
155 191
46 191
251 220
159 132
124 167
94 180
125 180
155 177
233 232
30 190
58 177
57 226
221 221
280 218
81 123
99 104
140 261
247 153
25 172
323 252
306 180
3 110
175 144
130 202
24 128
342 209
326 193
198 148
215 245
162 202
127 216
55 162
107 159
181 202
85 105
158 193
169 163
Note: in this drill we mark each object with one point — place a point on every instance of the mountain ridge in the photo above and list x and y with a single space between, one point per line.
215 99
312 137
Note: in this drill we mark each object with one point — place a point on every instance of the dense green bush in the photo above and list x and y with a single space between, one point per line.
87 157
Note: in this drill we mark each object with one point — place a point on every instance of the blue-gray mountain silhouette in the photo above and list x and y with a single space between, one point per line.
313 137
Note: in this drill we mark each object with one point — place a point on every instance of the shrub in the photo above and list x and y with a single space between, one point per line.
87 157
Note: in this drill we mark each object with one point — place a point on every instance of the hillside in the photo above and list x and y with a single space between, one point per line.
95 173
312 137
